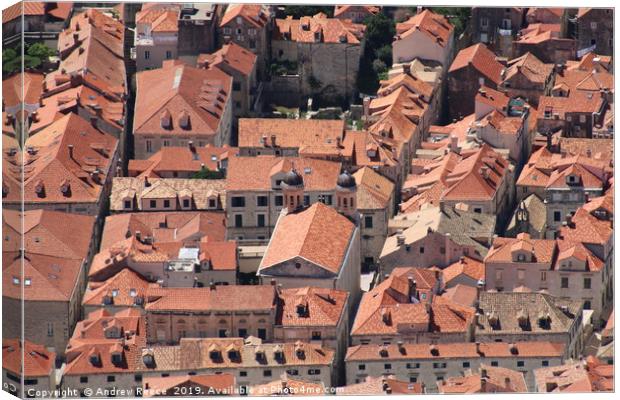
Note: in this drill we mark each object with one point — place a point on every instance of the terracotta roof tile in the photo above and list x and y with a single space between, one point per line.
377 386
318 234
339 10
68 163
256 14
466 266
320 307
255 173
578 376
233 56
127 285
435 26
489 380
218 298
530 67
374 191
27 359
164 95
294 133
22 88
221 384
480 58
328 30
372 352
25 8
286 386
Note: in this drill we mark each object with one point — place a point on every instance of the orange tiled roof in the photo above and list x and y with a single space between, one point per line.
221 384
543 250
465 266
21 88
435 26
31 360
319 307
160 17
127 285
530 67
286 386
68 163
25 8
168 95
338 10
493 98
255 173
372 352
181 159
489 380
255 14
480 58
589 375
224 298
318 28
318 234
233 56
56 245
371 151
299 133
374 191
411 82
380 386
587 229
538 33
101 325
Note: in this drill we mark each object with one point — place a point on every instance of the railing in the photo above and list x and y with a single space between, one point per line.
30 36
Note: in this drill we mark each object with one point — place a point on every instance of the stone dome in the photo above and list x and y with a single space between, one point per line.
346 180
292 178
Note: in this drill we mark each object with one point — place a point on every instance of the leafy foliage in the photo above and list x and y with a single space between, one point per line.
377 57
457 16
302 11
34 56
206 173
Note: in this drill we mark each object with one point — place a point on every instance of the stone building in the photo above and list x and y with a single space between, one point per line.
587 376
595 30
428 363
70 168
239 63
375 203
496 26
466 271
563 268
46 279
546 42
397 311
527 77
156 35
249 26
177 104
315 246
436 236
487 380
167 194
544 15
257 191
426 36
325 53
28 369
472 67
525 316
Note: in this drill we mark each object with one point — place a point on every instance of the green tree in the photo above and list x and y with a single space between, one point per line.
380 31
40 51
11 62
302 11
206 173
384 54
457 16
377 57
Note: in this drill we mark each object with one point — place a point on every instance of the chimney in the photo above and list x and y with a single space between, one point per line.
76 37
407 69
549 136
138 236
212 285
273 282
146 181
454 144
366 106
484 377
478 348
273 140
70 151
400 239
93 121
191 146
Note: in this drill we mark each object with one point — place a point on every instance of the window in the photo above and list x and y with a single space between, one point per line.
168 55
83 379
279 201
361 367
413 365
166 203
262 201
238 221
314 371
243 332
466 364
439 365
413 379
387 366
236 86
582 118
153 203
498 274
149 146
227 30
292 372
587 283
267 372
30 382
50 329
306 200
520 363
111 378
484 37
421 249
543 276
137 378
545 363
316 335
185 203
127 204
238 201
478 210
368 221
243 373
484 22
147 54
212 203
520 274
557 216
593 25
260 220
442 250
252 43
587 305
262 333
222 333
494 363
564 283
